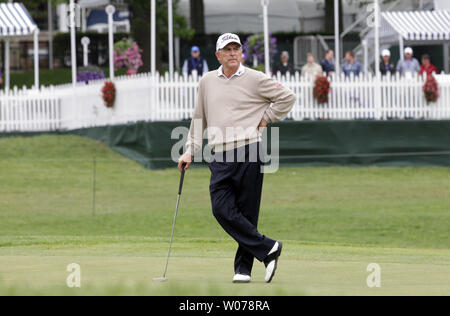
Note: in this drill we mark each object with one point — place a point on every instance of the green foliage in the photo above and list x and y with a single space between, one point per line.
50 77
123 45
62 41
97 47
260 67
140 28
141 12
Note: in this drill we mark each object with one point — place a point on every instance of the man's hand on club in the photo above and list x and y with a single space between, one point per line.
185 159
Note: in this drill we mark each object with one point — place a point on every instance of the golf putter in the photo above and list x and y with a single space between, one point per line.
164 278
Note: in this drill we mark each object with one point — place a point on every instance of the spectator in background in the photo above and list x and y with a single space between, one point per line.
195 63
386 66
408 66
427 68
328 63
311 69
351 65
284 67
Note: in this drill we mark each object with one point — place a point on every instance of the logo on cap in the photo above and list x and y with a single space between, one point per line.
227 38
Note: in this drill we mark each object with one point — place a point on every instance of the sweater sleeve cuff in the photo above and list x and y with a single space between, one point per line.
189 150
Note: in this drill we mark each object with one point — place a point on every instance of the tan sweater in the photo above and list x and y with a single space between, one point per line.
312 70
231 109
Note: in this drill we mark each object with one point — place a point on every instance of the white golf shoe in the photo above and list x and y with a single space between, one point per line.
241 278
271 261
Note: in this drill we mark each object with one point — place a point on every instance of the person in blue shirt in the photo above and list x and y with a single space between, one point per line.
409 65
328 63
195 63
351 66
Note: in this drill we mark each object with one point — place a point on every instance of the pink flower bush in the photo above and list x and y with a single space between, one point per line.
127 54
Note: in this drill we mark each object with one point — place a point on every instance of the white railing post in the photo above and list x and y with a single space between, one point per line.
110 10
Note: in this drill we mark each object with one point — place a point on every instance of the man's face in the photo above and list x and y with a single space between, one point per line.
310 59
230 56
195 54
408 56
349 58
386 59
284 59
330 55
425 62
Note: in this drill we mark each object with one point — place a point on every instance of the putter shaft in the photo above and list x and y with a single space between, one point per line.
171 236
174 219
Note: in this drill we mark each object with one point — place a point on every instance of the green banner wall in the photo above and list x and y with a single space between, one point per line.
307 143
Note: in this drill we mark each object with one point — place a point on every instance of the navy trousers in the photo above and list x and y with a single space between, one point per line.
236 187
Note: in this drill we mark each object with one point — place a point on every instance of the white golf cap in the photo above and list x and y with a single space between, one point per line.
409 50
226 39
385 53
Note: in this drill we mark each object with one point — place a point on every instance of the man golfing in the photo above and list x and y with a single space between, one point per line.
235 104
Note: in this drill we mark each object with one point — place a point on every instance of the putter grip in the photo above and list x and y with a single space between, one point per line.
181 178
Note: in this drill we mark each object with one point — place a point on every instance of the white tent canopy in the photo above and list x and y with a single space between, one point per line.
16 21
415 26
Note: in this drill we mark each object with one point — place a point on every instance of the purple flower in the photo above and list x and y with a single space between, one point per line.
89 73
254 47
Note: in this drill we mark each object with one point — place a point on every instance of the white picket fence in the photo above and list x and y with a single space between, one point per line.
159 98
22 110
365 97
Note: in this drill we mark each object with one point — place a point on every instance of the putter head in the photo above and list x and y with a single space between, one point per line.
161 279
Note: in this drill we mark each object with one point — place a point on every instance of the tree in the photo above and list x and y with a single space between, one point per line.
140 28
38 8
197 13
329 15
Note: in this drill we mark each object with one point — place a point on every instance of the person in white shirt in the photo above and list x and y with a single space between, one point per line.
312 69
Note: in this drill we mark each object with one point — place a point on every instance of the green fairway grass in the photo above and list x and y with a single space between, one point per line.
333 222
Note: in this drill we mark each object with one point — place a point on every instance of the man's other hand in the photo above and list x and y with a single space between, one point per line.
262 125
